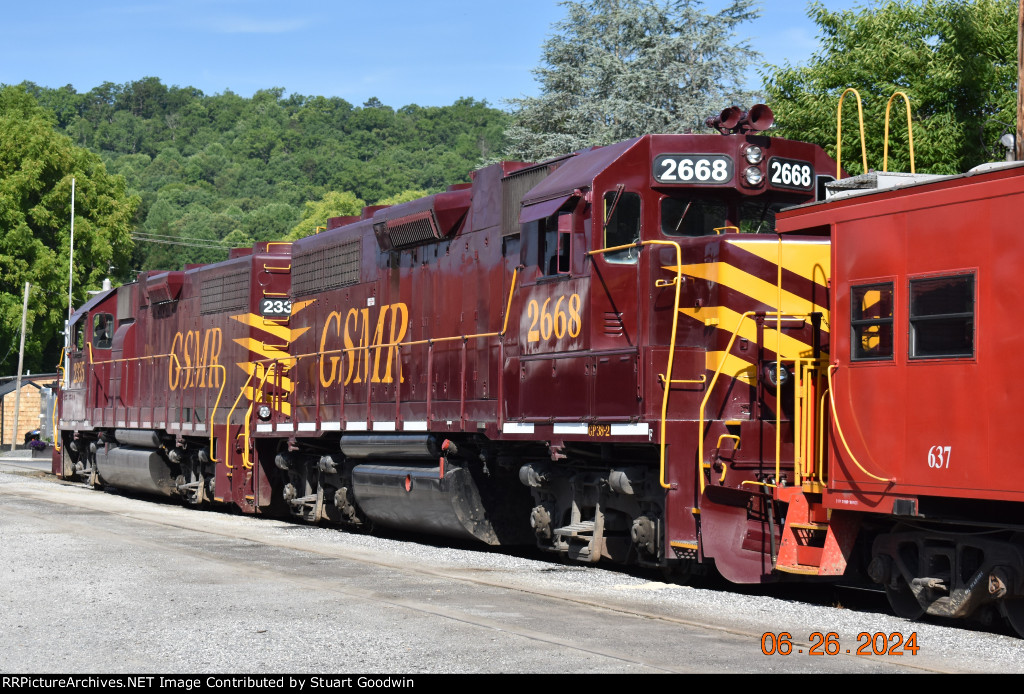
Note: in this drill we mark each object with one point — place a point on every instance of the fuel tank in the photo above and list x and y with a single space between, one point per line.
423 497
135 468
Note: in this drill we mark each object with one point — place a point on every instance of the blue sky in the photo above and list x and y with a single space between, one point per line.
403 52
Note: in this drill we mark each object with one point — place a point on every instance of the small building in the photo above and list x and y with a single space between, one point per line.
35 410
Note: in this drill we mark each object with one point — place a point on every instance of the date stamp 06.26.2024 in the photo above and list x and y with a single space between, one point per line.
821 643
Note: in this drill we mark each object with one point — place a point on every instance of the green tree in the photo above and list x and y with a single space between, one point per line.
316 212
404 196
36 167
956 61
616 69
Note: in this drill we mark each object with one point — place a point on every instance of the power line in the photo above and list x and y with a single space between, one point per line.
180 243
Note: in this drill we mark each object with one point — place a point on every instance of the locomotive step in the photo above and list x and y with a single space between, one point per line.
809 526
577 529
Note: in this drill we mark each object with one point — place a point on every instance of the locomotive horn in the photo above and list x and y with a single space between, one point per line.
758 119
731 117
726 121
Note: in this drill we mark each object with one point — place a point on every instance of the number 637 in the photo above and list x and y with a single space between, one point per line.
938 456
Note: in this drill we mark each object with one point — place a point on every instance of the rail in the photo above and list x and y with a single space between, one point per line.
779 315
666 378
910 132
60 379
839 430
227 421
270 365
173 362
839 132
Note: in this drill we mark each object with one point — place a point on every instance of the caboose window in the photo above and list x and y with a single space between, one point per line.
622 215
942 317
871 322
691 216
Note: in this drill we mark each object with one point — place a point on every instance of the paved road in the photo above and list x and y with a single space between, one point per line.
96 582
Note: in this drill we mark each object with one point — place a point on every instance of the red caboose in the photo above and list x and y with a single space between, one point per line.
921 452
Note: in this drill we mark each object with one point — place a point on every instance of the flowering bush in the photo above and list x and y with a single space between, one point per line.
37 445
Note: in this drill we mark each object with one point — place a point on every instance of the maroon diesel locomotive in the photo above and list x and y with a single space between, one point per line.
546 353
616 354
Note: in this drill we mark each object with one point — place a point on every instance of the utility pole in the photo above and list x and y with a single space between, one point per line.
21 361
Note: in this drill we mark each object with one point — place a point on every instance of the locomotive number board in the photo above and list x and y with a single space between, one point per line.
275 307
703 169
790 173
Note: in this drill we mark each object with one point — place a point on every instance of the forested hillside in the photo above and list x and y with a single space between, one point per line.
215 171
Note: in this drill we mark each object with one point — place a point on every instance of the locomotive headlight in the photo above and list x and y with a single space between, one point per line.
776 374
264 412
754 154
753 176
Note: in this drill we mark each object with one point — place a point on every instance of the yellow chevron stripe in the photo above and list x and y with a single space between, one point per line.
756 288
732 366
809 259
285 406
299 305
259 369
265 351
787 348
279 331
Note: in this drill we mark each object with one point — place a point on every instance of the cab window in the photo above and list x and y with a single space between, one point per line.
556 239
691 216
78 336
622 225
102 331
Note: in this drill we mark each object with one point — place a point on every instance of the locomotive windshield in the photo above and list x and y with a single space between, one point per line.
700 216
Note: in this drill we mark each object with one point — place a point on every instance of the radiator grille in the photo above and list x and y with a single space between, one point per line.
513 188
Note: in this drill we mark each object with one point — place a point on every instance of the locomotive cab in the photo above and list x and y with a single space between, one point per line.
637 260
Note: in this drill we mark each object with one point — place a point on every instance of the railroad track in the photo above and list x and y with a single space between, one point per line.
529 616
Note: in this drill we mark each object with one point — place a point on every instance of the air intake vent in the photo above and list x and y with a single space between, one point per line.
229 292
409 231
323 268
613 324
513 188
426 220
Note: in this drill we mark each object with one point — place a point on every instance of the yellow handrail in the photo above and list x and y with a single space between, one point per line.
227 421
246 463
60 379
701 465
839 430
821 439
56 434
678 281
839 132
910 132
210 418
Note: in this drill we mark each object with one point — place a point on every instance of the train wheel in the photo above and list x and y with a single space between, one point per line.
1013 611
903 602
